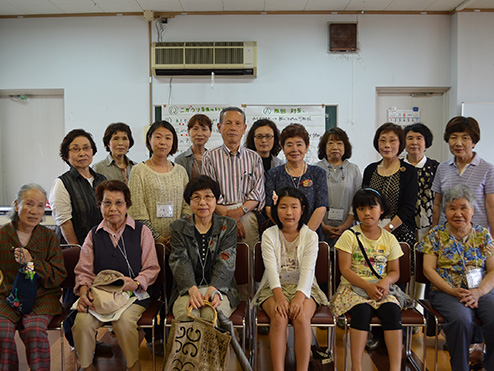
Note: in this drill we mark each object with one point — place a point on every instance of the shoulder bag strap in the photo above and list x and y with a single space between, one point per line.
365 254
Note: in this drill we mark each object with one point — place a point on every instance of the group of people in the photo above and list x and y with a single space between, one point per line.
203 203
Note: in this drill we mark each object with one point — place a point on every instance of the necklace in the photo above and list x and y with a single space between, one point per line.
296 185
393 169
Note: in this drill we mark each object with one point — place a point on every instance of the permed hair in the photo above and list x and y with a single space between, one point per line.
202 182
422 129
113 186
335 134
458 192
69 138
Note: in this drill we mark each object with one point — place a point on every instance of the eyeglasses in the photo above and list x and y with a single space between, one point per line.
198 199
261 137
77 149
118 204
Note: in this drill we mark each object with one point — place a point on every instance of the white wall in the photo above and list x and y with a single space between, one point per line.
102 65
475 58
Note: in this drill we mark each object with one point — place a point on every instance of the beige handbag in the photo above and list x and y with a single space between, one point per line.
108 293
197 345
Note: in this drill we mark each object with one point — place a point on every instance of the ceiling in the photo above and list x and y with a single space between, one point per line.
68 7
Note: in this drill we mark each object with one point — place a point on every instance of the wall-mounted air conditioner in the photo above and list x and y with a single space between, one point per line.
225 58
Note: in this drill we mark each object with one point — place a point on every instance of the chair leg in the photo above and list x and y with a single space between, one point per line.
345 343
153 340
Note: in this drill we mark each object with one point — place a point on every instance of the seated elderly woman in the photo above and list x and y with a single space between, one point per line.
203 254
124 245
25 241
459 262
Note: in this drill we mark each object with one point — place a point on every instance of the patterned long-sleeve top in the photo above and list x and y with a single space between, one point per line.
44 247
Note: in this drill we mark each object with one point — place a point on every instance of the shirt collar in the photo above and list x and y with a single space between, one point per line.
128 222
421 163
229 152
475 161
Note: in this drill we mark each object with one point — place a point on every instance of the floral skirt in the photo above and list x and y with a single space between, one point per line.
345 299
290 290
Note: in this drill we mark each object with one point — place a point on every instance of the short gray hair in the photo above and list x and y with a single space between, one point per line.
231 108
458 192
12 214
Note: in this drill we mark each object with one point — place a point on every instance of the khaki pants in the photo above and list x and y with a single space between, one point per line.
180 307
85 327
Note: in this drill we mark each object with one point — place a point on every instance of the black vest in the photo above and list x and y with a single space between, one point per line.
85 211
108 257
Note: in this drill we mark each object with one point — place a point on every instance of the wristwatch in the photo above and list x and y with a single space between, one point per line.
391 227
244 209
138 284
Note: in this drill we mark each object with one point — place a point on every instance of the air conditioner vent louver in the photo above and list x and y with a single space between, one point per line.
199 58
169 56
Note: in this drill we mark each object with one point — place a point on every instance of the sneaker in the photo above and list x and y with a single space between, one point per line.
372 344
102 348
340 322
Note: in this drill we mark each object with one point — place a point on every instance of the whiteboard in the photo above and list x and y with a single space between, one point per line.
313 117
483 112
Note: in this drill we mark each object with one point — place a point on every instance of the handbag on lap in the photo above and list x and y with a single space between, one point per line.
197 345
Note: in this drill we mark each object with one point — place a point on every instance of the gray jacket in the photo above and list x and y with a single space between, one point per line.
110 169
185 253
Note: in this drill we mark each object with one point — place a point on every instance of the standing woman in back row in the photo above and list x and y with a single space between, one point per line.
296 173
157 185
117 140
199 130
344 180
396 180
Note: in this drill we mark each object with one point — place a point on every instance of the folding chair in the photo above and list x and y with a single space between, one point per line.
410 318
70 257
322 316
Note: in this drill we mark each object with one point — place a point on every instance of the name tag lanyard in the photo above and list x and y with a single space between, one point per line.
335 213
296 185
123 251
472 276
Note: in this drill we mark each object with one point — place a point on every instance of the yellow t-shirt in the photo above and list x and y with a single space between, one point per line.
385 248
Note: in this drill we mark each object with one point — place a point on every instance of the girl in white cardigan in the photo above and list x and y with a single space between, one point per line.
288 289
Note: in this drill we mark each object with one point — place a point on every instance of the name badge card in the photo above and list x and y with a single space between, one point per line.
141 295
164 210
335 214
474 277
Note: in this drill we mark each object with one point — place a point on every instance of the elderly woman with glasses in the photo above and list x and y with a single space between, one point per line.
122 244
459 262
203 254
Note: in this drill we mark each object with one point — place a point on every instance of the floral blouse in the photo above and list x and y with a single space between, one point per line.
453 254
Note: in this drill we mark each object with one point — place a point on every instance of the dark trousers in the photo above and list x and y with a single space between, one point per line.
460 325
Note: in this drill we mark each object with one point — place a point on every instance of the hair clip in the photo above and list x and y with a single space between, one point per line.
275 198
